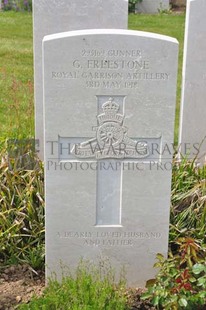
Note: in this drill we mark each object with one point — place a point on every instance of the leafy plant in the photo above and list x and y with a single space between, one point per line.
93 287
21 212
188 210
17 5
181 280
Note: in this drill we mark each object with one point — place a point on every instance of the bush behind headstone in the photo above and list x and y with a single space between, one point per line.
132 4
17 5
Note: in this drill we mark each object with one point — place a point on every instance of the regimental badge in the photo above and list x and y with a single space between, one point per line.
111 140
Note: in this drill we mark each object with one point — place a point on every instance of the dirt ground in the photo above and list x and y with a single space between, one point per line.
19 283
178 9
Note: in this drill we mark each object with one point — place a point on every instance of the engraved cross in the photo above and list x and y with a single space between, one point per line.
111 148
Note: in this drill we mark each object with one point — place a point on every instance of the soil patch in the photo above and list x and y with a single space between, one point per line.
178 9
18 284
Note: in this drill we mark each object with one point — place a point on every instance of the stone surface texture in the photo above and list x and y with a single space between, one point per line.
53 16
192 135
152 6
116 87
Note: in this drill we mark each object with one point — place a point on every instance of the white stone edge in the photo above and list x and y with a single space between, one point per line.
76 33
185 48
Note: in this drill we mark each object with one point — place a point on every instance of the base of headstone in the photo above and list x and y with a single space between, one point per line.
152 6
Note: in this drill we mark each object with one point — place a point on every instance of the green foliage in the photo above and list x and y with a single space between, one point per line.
93 287
188 210
21 213
170 25
181 280
16 75
17 5
132 4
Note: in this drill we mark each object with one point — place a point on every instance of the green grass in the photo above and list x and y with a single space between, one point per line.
188 209
16 75
170 25
92 288
16 69
21 209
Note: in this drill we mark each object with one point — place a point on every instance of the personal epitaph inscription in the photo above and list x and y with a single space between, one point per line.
109 112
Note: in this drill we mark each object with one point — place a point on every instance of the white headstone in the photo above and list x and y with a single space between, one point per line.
109 98
192 136
152 6
53 16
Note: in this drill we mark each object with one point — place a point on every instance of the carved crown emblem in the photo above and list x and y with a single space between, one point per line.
110 106
110 109
111 139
